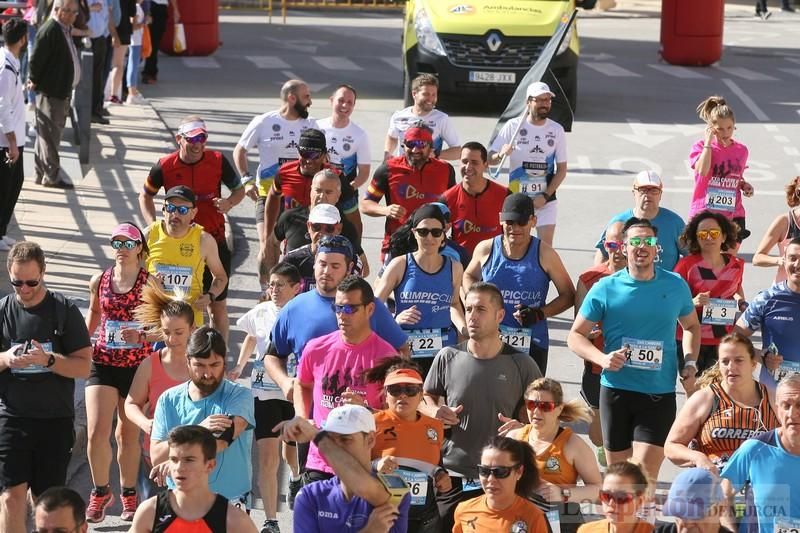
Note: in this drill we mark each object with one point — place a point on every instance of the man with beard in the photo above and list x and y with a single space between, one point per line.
275 134
223 407
344 354
204 172
537 157
407 181
474 201
425 92
291 187
180 251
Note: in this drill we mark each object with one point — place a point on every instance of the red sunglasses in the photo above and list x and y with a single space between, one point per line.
620 497
543 406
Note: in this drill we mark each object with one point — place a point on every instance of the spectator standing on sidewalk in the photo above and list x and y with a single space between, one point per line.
55 70
101 26
12 124
135 57
124 34
44 346
158 25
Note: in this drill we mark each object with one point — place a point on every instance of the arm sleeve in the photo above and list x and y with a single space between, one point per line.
434 382
386 327
229 176
241 404
154 180
379 184
161 428
449 134
451 178
503 136
305 512
247 322
736 469
695 152
249 138
561 147
593 306
304 371
393 132
754 314
280 343
363 156
685 295
7 88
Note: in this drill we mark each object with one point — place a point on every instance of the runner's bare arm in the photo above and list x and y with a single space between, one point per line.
93 316
237 520
144 517
137 398
472 274
148 207
210 251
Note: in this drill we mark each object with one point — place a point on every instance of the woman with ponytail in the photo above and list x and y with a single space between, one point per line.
508 475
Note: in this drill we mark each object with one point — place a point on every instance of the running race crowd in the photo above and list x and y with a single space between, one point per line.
418 402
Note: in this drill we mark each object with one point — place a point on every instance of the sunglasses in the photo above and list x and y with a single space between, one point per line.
499 472
416 144
327 228
649 191
181 209
514 223
543 406
620 497
424 232
310 154
130 245
197 139
346 309
399 390
638 241
704 234
613 246
29 282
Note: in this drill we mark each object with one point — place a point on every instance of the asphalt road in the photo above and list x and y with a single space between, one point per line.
634 113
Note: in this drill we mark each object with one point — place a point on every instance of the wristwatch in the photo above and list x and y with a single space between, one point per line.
51 361
690 363
566 494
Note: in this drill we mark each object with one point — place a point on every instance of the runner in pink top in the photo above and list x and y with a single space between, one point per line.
719 163
332 366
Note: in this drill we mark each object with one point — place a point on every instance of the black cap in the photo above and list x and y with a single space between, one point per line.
517 207
183 192
312 139
428 211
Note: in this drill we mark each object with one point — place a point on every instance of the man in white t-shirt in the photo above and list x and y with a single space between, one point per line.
537 157
276 134
425 92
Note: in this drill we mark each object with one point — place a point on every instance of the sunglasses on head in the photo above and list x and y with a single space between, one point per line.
543 406
499 472
327 228
704 234
400 389
613 246
346 309
181 209
310 154
197 139
638 241
620 497
29 282
424 232
130 245
416 144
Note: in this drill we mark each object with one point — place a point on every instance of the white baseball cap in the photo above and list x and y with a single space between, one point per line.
324 214
539 88
647 178
349 419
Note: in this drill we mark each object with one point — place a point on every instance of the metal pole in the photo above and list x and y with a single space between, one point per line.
82 108
496 173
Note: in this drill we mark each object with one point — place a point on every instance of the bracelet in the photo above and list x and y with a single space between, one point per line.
706 146
247 178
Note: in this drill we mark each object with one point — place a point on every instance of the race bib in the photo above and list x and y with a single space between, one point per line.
417 484
519 338
643 354
470 484
175 276
425 342
787 368
554 520
720 199
786 525
35 369
720 312
113 333
260 380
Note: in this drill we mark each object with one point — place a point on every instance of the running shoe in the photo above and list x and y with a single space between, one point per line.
270 526
129 504
136 99
96 510
114 100
294 487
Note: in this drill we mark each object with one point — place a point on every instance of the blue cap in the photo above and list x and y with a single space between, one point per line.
692 493
336 244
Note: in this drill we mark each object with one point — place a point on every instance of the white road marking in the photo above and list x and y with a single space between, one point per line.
781 138
791 150
680 72
770 127
200 62
314 87
751 105
267 61
336 63
393 62
792 71
611 70
747 74
643 134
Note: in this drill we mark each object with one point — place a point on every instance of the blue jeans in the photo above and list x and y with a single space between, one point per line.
134 57
30 96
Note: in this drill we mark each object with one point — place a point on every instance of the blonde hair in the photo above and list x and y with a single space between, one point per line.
157 304
572 411
713 109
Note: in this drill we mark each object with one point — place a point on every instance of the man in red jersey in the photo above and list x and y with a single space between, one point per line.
475 202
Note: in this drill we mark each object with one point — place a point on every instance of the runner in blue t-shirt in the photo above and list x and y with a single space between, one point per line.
647 191
776 312
639 307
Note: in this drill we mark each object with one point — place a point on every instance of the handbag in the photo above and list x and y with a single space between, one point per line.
147 43
179 39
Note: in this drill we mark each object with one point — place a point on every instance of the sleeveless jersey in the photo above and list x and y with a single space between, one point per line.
116 314
159 382
179 261
792 232
552 463
431 293
475 217
730 424
521 281
167 521
589 278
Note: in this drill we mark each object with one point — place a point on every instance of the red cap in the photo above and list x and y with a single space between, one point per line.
418 134
403 375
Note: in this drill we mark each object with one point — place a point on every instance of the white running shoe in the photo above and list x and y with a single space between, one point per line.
136 99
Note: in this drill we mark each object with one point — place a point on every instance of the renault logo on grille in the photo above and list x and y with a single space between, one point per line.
493 41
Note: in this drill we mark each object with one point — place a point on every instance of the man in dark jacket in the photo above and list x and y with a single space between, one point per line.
54 72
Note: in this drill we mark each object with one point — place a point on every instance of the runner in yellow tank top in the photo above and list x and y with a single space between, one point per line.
180 250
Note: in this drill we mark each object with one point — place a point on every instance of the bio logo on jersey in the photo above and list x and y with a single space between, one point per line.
410 192
466 227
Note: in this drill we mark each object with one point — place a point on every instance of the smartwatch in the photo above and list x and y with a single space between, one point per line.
395 485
